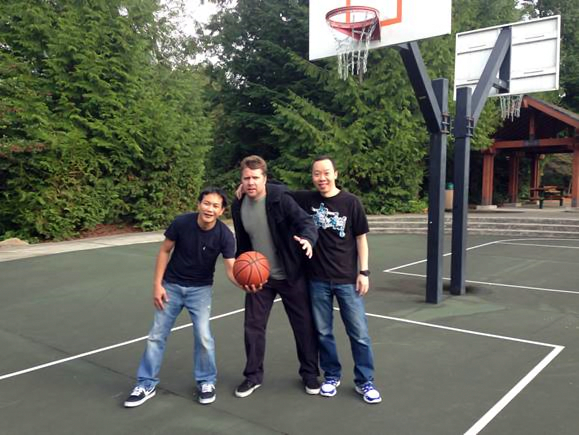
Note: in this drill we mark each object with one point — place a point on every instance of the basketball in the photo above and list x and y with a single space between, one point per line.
251 268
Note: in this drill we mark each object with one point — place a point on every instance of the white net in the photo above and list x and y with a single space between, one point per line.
511 106
352 49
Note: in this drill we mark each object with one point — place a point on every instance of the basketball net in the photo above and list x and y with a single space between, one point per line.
510 106
354 28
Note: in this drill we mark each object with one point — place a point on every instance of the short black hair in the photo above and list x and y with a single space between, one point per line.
324 157
209 190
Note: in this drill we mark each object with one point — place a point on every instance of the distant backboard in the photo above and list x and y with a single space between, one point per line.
534 58
400 21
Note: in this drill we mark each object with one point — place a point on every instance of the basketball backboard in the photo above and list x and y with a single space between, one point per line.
534 56
400 21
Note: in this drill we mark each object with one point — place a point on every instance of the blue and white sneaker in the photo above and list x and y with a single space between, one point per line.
138 396
330 387
369 393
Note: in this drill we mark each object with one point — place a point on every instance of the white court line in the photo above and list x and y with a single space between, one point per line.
513 392
537 245
494 284
463 331
507 398
104 349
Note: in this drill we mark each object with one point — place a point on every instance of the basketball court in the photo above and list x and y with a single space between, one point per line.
501 359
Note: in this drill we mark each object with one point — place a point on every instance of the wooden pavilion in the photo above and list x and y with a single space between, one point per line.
542 128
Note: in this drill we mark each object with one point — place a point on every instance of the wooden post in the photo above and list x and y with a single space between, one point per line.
514 177
488 176
575 179
535 177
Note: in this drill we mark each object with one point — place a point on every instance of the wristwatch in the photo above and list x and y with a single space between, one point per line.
364 272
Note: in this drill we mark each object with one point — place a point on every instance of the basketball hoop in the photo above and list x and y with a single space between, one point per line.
511 106
360 25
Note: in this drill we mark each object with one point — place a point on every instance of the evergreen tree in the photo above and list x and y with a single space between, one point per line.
100 127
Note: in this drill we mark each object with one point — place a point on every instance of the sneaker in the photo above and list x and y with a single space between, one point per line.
369 393
246 388
312 386
206 394
138 396
330 387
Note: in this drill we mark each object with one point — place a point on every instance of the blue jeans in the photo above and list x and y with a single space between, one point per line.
197 300
354 317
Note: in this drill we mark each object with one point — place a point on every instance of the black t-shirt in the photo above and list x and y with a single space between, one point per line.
339 219
195 253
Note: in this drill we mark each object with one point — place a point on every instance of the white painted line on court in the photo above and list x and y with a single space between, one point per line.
104 349
444 255
507 398
462 331
539 245
504 241
493 284
528 378
513 392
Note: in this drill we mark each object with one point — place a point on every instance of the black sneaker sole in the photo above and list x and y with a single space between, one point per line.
207 400
242 394
140 402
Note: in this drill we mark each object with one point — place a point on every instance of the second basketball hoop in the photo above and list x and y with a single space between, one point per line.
354 27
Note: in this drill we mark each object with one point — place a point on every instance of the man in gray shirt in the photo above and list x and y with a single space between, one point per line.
268 220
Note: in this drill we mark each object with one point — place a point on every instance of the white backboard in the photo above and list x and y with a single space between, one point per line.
534 65
400 21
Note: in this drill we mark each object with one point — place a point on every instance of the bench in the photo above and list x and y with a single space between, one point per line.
551 193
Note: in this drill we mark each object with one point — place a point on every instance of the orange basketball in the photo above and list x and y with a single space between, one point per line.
251 268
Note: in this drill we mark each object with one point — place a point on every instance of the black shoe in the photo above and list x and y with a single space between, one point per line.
138 396
246 388
312 386
206 394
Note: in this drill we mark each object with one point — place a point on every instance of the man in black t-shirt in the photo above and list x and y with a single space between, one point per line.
339 268
183 279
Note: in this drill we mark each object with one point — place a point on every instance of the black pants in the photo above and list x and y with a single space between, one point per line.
295 299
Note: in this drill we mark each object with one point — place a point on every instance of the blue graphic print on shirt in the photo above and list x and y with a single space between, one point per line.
324 219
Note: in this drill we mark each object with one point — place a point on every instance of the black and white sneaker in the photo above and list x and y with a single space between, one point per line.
246 388
312 386
206 394
139 395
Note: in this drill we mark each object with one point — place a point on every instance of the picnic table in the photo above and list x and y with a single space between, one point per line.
549 193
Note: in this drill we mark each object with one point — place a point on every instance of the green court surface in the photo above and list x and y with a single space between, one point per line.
502 359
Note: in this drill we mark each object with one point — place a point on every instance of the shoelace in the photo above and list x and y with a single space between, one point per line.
367 387
206 388
138 390
331 382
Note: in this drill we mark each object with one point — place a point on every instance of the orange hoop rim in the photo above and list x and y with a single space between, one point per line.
347 28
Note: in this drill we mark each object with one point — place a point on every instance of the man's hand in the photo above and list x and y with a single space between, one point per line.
239 191
159 296
306 245
252 288
362 285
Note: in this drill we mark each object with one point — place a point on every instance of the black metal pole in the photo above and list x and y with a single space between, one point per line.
463 131
436 177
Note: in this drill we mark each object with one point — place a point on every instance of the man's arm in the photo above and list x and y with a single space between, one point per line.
159 292
362 282
302 222
228 262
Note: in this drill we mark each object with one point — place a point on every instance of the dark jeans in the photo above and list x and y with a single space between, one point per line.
296 302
